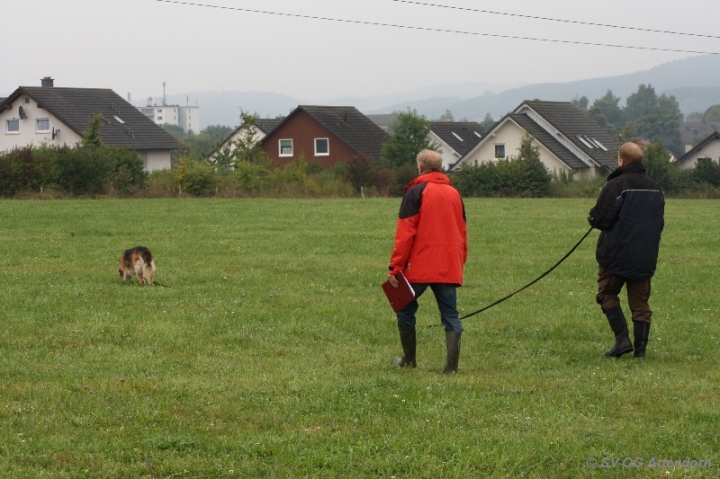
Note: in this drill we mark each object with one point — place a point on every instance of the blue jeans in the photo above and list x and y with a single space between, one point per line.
446 297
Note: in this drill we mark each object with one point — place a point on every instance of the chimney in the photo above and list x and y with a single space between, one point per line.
47 81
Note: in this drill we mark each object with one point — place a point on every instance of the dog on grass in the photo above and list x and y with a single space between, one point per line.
138 262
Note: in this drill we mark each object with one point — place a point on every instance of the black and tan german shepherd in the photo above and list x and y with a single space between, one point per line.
138 262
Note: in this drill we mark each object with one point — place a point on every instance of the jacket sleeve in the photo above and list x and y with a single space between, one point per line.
404 239
605 212
407 225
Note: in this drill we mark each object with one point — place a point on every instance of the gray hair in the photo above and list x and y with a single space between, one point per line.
430 160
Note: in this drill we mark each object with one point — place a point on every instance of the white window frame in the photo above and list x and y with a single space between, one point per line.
498 146
280 147
327 144
7 126
37 125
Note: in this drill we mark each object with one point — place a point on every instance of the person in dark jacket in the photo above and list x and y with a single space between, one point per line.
629 213
430 250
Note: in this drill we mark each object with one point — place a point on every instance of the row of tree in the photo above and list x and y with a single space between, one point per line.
645 115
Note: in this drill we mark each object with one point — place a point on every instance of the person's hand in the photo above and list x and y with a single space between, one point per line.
393 281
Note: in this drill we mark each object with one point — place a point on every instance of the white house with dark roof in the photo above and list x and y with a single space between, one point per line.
262 128
454 139
708 148
567 139
48 115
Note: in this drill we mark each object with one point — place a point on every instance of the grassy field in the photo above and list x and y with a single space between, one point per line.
266 351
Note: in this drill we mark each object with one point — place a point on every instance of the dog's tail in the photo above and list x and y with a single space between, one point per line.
145 254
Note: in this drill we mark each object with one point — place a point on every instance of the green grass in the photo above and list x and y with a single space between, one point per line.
267 351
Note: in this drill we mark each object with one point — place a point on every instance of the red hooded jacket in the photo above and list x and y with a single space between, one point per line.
431 237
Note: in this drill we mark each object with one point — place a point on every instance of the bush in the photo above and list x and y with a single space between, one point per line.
504 178
252 178
13 171
161 184
194 177
129 174
708 172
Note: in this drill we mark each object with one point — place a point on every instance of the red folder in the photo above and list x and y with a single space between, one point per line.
402 295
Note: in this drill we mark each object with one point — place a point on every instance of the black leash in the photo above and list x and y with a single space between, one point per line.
533 281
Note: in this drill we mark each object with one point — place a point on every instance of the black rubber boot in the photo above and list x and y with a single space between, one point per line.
409 345
452 343
642 332
622 345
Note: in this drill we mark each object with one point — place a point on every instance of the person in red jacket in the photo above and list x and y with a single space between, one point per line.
430 250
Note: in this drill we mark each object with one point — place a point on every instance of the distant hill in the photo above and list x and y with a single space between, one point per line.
695 82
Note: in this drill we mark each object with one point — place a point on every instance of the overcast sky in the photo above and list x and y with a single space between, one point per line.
133 46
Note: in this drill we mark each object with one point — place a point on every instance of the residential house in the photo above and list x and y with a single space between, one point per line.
49 115
262 127
325 135
708 148
455 139
568 140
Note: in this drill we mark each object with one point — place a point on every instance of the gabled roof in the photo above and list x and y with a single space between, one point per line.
547 140
578 128
712 137
267 125
461 136
123 125
350 126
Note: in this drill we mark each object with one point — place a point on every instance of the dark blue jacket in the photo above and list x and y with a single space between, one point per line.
629 212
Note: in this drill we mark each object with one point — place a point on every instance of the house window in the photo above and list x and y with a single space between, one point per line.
12 126
286 147
500 150
42 125
322 147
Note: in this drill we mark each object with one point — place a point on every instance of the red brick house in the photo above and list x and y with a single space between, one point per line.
324 134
